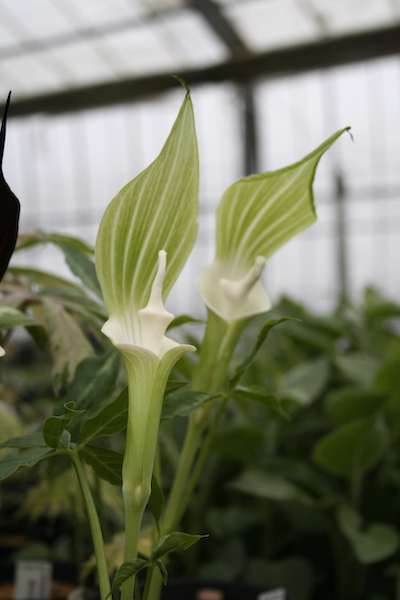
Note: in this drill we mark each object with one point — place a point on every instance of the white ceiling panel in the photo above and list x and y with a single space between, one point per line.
271 24
141 51
192 41
344 16
32 19
51 45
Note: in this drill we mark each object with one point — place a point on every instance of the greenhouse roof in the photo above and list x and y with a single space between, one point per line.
63 55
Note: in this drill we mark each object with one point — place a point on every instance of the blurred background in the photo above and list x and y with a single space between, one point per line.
93 101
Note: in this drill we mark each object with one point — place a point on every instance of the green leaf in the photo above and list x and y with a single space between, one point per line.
68 344
270 486
28 240
12 317
43 278
112 419
182 403
25 441
174 541
94 381
354 403
54 426
182 320
127 570
241 442
28 458
155 211
353 448
81 265
358 368
258 214
264 398
156 501
173 386
305 382
377 542
262 336
106 463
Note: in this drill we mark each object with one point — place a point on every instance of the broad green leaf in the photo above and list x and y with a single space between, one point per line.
12 317
262 336
305 382
174 386
270 401
112 419
106 463
182 403
174 541
32 239
259 213
68 344
81 265
25 441
127 570
155 211
354 403
94 381
359 368
270 486
42 278
374 543
353 448
28 458
387 378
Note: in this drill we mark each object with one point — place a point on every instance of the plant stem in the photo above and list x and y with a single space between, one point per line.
218 346
95 527
149 579
136 493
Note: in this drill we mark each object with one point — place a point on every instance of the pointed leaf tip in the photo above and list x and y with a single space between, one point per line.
183 84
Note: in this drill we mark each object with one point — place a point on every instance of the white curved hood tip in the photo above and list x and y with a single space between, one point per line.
233 299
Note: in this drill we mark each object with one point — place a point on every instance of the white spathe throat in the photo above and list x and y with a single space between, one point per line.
234 298
154 320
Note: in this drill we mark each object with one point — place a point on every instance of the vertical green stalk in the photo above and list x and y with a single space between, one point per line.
95 527
218 346
136 493
146 392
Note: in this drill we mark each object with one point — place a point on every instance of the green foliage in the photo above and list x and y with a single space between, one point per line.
172 542
322 486
375 543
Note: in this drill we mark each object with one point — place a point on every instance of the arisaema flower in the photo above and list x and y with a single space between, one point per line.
257 214
144 239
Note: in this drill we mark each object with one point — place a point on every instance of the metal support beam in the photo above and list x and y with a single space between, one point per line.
320 55
222 27
250 145
340 196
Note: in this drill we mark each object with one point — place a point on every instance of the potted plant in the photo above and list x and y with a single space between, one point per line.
144 240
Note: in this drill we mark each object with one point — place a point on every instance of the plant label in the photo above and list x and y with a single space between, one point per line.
77 594
278 594
33 580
